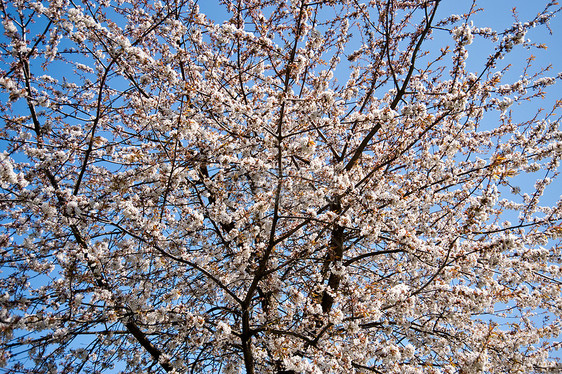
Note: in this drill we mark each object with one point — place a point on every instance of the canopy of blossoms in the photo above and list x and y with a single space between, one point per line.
307 187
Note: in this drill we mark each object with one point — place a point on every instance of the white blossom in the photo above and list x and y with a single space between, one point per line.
7 174
463 34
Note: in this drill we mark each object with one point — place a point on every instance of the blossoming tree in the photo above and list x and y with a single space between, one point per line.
307 187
